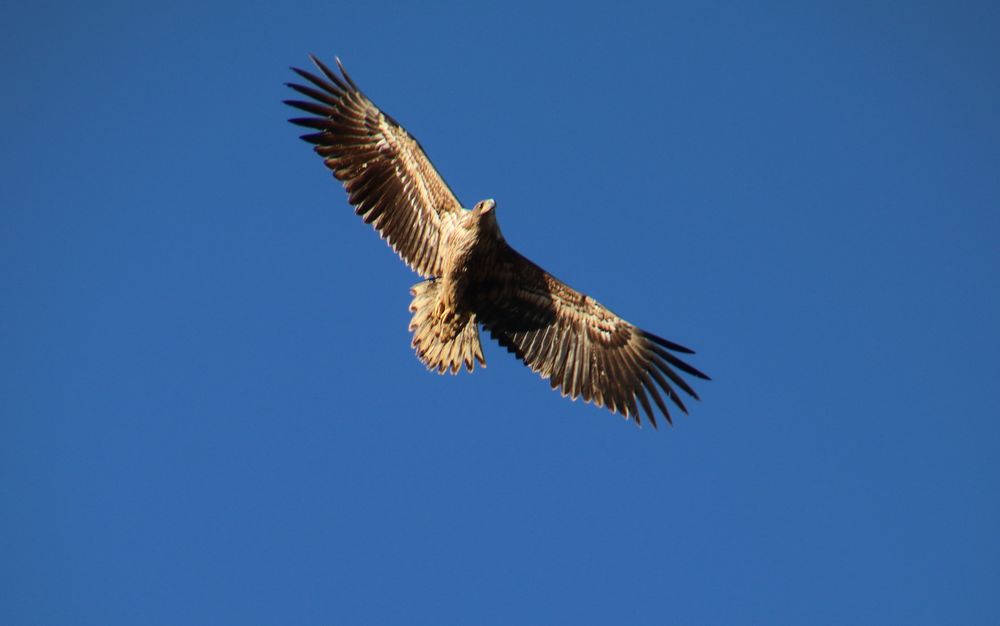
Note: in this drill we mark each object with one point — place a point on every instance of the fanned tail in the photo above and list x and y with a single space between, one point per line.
437 353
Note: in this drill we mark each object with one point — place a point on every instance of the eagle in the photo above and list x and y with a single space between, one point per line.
472 276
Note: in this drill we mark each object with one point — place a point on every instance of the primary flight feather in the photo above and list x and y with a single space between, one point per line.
473 276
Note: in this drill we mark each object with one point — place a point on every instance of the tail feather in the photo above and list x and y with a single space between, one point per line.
463 348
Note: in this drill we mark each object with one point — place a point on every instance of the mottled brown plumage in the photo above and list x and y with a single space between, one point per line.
473 276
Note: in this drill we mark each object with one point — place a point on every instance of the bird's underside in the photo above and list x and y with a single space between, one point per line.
473 277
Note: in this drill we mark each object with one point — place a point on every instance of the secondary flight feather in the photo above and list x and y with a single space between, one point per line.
473 277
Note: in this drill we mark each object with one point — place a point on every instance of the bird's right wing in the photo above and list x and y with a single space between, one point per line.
389 180
578 344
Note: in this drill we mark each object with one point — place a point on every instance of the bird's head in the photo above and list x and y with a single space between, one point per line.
485 206
485 214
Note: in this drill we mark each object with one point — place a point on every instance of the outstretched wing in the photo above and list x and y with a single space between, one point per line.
580 346
389 180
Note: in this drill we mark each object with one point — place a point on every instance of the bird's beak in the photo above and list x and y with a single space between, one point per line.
488 205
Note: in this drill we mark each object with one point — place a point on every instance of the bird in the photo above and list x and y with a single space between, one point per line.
471 276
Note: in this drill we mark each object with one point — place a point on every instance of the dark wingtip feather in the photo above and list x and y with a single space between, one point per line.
658 399
319 82
309 107
331 74
314 138
320 96
644 401
667 389
678 363
310 122
301 72
680 382
670 345
347 76
690 369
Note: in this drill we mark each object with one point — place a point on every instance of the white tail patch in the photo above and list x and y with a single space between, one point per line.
461 347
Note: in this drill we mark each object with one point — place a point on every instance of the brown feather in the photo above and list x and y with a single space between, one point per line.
380 165
579 345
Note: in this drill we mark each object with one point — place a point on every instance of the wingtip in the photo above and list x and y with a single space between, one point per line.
698 374
347 76
670 419
666 343
301 72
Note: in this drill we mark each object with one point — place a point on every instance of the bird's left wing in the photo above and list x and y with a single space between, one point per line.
389 180
579 345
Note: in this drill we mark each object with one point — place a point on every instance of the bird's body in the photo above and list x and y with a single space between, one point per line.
473 276
472 242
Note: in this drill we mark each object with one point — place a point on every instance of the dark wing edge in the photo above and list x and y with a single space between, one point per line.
581 347
389 179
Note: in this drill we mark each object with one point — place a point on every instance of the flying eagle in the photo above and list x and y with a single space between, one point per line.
472 275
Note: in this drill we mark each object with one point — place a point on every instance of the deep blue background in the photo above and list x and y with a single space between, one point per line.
211 413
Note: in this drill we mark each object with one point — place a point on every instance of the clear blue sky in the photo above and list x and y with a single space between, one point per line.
211 413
